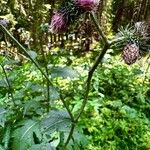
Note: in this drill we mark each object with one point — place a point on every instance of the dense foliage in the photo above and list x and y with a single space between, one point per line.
74 90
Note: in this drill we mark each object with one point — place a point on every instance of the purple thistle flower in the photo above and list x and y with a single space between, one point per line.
87 5
58 23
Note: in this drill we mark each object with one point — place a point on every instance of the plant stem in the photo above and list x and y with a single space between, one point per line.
48 90
90 75
24 51
9 85
88 83
95 65
67 107
107 45
73 123
94 19
70 133
47 73
115 40
37 65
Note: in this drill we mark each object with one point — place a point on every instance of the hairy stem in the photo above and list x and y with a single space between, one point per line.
90 75
95 65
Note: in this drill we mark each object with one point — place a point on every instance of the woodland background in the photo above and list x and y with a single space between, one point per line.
33 112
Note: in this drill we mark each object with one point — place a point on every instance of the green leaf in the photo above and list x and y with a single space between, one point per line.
79 141
129 112
54 94
3 84
42 146
56 120
63 72
2 148
6 138
31 105
55 139
23 136
2 116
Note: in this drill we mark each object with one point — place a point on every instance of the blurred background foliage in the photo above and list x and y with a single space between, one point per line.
117 115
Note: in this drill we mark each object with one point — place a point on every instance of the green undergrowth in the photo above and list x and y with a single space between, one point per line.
116 117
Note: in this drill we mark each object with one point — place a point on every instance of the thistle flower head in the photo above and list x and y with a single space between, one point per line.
130 53
142 29
58 23
87 5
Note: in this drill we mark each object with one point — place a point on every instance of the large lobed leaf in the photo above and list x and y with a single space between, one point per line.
23 135
57 120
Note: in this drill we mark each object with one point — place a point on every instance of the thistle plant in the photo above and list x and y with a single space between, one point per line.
135 44
130 53
66 15
68 12
87 5
58 23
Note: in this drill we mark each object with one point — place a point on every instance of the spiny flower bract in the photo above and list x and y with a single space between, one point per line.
130 53
58 23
